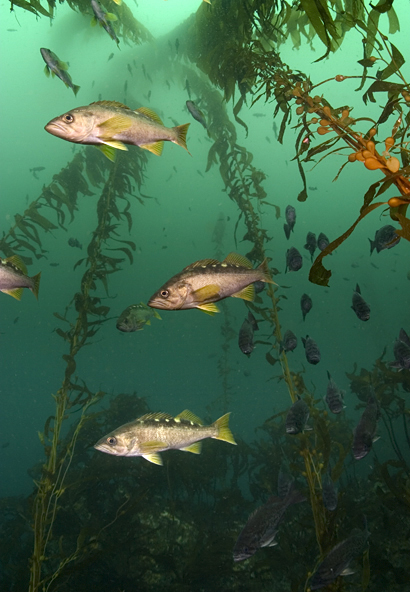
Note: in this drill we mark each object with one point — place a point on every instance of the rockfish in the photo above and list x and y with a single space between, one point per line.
57 68
135 317
13 278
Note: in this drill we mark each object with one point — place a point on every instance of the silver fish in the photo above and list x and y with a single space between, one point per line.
297 418
365 432
206 281
334 396
13 278
57 68
135 317
263 525
360 306
245 340
155 432
385 238
312 351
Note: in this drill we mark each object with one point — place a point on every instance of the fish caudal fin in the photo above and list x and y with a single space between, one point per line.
36 284
264 268
224 433
181 131
76 88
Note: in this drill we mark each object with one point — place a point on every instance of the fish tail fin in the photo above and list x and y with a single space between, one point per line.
76 89
36 284
264 268
286 228
224 433
372 245
181 131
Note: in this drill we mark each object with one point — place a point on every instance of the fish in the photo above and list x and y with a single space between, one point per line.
297 418
289 342
16 320
125 86
110 125
188 89
74 242
13 278
196 113
336 563
334 396
104 19
294 260
156 432
177 44
246 332
135 317
54 264
311 244
329 491
168 84
322 241
259 114
263 524
305 304
401 352
36 170
360 306
365 431
110 57
290 217
275 130
259 286
130 69
285 481
57 68
312 351
204 282
312 188
385 238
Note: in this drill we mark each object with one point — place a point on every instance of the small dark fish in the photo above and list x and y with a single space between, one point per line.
259 286
263 525
311 244
322 241
57 68
334 396
365 432
275 130
196 113
149 95
311 350
360 306
336 562
246 332
130 69
177 45
74 242
144 70
297 417
289 342
175 168
259 114
312 188
188 88
16 320
385 238
93 84
54 264
305 305
168 84
401 352
199 172
290 217
329 492
36 170
110 57
294 260
285 481
104 19
267 138
126 86
12 30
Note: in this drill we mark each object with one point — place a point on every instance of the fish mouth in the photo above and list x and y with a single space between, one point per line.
56 129
158 303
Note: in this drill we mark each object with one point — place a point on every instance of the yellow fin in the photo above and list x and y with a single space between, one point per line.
154 458
47 71
107 151
224 433
115 125
155 147
110 16
201 263
118 2
156 314
264 268
17 262
115 144
16 293
36 284
76 88
247 293
151 447
149 113
189 416
181 131
110 104
210 308
194 448
237 259
205 293
62 65
94 21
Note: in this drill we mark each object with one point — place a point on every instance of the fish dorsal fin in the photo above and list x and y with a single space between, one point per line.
189 416
114 125
236 259
194 448
155 417
201 263
153 458
150 114
17 262
156 147
16 293
358 289
111 104
247 293
206 293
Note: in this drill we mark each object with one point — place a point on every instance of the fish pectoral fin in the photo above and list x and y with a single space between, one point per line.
153 458
110 16
115 144
62 65
247 293
348 571
195 448
16 293
47 71
108 151
156 147
210 308
151 447
115 125
147 322
94 21
206 293
189 416
149 113
156 315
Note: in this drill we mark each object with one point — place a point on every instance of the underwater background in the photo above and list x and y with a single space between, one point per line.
113 523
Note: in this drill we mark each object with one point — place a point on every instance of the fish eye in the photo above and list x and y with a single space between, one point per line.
112 440
68 118
164 293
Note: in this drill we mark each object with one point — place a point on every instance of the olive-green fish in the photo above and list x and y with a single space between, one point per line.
13 277
206 281
155 432
110 125
135 317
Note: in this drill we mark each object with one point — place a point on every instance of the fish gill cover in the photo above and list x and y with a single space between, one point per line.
100 231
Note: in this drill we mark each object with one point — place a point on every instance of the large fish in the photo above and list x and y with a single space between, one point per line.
57 68
135 317
245 340
365 431
206 281
359 305
401 352
13 277
155 432
263 524
385 238
334 396
110 125
104 19
312 351
336 563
